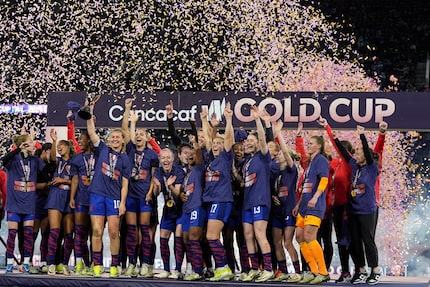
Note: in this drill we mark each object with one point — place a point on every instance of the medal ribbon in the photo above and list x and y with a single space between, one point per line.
113 158
138 158
25 169
168 191
356 177
89 165
61 167
308 168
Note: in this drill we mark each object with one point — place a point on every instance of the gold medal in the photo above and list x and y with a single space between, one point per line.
169 203
26 187
136 177
353 193
88 180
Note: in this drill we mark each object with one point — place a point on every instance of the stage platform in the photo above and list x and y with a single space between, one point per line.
20 280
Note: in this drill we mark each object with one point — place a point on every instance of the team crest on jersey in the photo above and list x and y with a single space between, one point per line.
189 189
106 170
250 179
212 175
307 187
283 191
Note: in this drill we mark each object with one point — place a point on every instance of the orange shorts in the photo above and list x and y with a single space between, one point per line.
307 220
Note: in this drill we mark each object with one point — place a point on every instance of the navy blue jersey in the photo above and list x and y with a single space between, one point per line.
172 204
21 183
142 164
315 170
218 178
110 168
274 172
193 188
285 189
256 173
362 198
59 195
83 165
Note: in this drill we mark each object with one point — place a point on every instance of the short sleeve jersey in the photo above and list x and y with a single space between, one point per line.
83 166
218 178
193 188
110 168
21 183
256 173
315 170
285 189
142 163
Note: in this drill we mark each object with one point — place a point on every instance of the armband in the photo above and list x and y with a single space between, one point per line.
323 183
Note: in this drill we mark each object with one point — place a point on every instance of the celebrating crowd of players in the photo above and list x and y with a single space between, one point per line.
217 187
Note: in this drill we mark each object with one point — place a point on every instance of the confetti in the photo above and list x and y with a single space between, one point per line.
148 46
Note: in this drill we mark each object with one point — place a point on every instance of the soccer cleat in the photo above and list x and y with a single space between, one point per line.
307 277
163 275
294 278
98 270
52 270
264 276
188 270
66 271
130 270
9 268
222 274
114 272
279 276
373 279
320 279
135 272
242 276
359 278
209 273
59 268
252 274
25 269
119 269
34 270
87 271
44 268
148 271
175 275
193 276
345 277
79 268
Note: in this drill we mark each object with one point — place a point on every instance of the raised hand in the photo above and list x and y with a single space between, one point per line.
204 114
322 122
128 103
383 126
299 128
265 116
192 139
228 113
169 109
360 129
53 134
255 112
278 127
214 121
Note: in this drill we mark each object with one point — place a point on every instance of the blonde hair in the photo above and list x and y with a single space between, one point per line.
19 139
